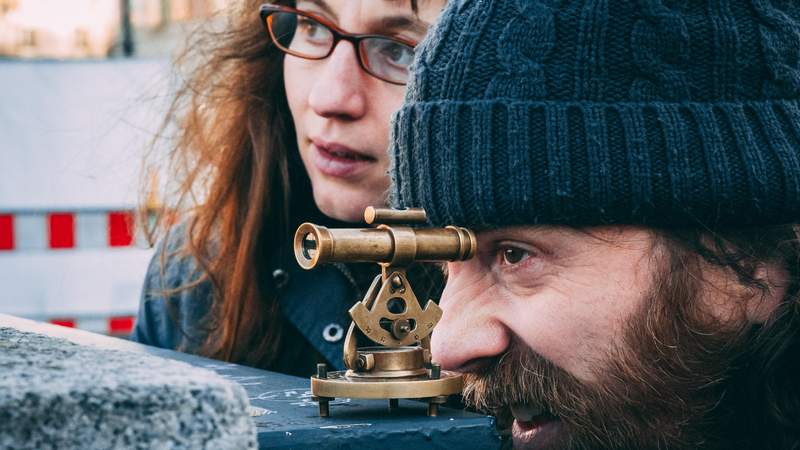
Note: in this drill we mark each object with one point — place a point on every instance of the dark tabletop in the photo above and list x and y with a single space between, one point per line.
286 417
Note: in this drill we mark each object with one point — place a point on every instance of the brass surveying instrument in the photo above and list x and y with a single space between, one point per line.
390 315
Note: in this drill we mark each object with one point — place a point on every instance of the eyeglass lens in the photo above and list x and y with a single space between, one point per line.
307 38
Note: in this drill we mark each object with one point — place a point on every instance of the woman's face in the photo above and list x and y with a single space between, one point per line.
341 113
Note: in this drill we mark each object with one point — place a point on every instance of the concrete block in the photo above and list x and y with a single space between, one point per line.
57 394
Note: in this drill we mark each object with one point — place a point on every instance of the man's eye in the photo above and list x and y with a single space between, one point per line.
514 255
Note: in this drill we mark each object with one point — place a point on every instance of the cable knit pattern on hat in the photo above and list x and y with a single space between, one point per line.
780 42
660 44
525 41
656 112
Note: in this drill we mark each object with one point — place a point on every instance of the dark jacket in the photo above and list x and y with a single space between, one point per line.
314 304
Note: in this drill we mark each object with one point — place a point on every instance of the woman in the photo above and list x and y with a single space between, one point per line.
284 120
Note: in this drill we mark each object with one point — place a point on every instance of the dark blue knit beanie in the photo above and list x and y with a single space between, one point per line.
656 112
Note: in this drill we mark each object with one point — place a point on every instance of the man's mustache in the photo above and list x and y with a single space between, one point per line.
521 376
591 415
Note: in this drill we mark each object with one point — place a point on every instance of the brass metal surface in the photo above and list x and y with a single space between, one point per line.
387 374
390 314
350 351
422 321
338 384
388 215
390 362
394 245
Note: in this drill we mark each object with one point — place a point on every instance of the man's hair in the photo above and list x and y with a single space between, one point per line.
765 399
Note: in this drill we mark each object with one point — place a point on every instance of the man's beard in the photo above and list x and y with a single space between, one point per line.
672 383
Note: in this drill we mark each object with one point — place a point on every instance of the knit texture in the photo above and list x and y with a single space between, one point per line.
664 113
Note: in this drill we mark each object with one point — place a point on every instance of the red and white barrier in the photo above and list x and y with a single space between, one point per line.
113 325
81 267
40 230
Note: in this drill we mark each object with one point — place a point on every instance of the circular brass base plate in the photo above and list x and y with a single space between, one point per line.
339 385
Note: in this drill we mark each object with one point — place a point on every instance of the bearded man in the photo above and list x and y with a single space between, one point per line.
632 170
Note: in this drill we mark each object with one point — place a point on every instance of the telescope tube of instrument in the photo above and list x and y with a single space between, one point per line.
394 245
387 216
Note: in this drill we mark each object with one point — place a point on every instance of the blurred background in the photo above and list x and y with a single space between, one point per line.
84 85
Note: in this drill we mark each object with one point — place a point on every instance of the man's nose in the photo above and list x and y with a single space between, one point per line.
339 90
470 330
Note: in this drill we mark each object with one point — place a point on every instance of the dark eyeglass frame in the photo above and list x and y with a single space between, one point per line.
339 35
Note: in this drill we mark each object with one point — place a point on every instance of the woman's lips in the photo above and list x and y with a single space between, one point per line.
339 161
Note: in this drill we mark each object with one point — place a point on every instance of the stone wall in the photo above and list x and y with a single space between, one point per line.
57 394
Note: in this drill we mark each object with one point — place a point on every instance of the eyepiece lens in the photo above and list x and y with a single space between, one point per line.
309 246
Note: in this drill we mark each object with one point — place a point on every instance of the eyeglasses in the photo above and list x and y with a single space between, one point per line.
305 35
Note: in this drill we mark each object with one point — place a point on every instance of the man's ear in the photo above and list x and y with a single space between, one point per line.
761 305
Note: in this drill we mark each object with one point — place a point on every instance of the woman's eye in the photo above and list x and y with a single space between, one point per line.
310 28
397 54
514 255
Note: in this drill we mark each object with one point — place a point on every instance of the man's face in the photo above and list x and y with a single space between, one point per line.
580 334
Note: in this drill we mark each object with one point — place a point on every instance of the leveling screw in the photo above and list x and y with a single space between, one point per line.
433 404
436 371
322 374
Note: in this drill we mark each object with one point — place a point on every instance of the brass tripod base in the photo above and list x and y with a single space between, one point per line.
342 385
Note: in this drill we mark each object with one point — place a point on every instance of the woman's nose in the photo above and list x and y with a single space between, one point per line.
469 332
339 90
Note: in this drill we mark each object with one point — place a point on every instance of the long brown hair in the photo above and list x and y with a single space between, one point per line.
233 175
236 179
